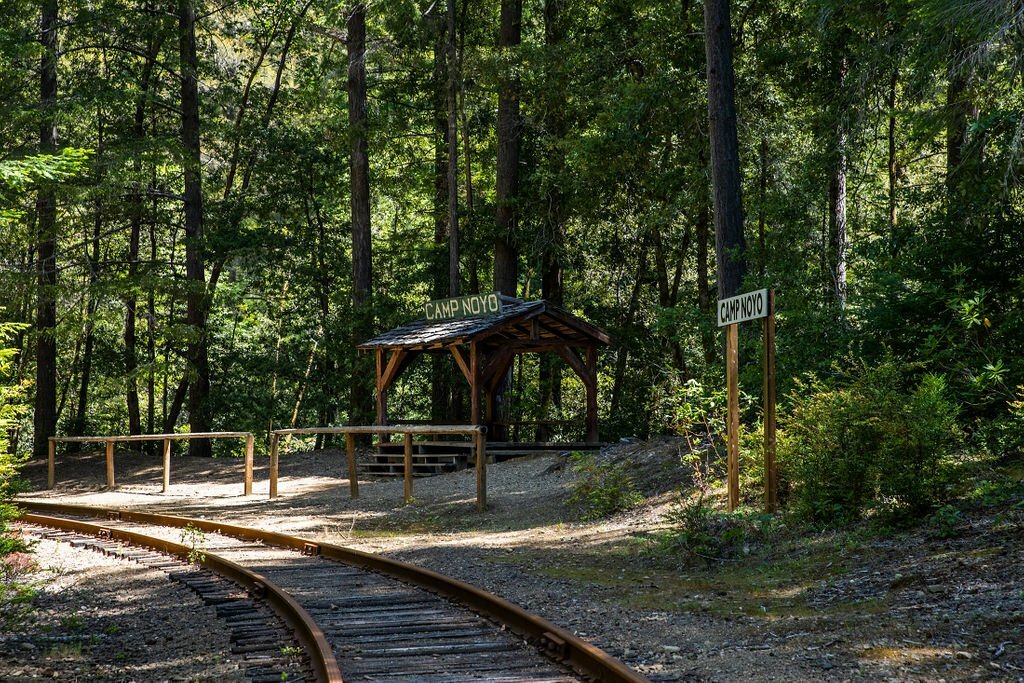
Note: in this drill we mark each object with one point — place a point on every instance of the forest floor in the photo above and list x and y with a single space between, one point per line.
768 600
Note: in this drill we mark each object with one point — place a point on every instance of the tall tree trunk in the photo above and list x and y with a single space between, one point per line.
730 244
838 239
197 302
892 166
550 376
505 254
359 175
703 288
440 374
452 93
958 114
45 417
78 424
506 257
131 363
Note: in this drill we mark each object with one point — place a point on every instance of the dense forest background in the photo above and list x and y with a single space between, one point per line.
249 188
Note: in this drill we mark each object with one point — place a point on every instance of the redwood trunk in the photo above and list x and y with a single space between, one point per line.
730 244
45 417
197 304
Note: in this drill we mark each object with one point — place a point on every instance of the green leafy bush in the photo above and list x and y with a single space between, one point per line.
601 489
868 444
11 410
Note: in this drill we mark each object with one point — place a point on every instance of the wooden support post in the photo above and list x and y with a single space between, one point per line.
382 401
167 465
732 380
353 474
770 469
51 464
110 465
590 381
481 471
274 448
250 442
408 468
474 384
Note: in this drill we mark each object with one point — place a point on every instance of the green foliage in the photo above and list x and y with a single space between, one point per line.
696 531
11 410
601 489
868 443
195 538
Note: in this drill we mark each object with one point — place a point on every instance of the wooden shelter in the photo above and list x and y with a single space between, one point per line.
484 347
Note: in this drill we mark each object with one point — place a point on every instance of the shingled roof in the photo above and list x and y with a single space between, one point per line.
523 323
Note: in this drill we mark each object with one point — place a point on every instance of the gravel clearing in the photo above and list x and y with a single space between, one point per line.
910 607
103 619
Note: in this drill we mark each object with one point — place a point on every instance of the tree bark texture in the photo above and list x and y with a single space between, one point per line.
727 199
197 301
506 257
452 137
45 417
359 175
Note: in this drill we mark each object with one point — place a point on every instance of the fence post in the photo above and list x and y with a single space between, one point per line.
51 472
353 475
481 471
408 468
167 465
274 444
110 465
250 442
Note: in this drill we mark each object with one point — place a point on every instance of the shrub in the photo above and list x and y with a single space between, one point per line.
601 489
868 443
11 410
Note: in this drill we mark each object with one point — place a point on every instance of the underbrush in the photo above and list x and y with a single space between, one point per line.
601 489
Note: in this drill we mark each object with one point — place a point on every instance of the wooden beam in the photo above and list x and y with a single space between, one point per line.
461 361
474 383
574 361
496 365
110 465
407 452
167 464
353 474
398 362
770 470
733 400
250 445
590 381
274 445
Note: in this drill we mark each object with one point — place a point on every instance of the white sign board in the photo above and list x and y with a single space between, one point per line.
743 307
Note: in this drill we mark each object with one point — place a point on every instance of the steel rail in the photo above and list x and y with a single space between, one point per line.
556 642
307 632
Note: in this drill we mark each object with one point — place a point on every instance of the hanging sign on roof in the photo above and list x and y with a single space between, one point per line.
463 306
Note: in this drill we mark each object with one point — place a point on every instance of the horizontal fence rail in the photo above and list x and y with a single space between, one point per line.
477 433
109 441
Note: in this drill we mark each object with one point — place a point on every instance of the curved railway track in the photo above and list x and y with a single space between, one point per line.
357 616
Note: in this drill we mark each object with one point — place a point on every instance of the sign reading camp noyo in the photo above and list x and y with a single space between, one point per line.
462 306
744 307
732 312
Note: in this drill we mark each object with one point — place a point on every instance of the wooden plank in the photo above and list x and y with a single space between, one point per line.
770 468
275 441
148 437
250 443
167 465
733 400
399 360
408 468
353 475
110 465
51 464
390 429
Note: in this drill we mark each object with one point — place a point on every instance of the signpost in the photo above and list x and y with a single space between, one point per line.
732 312
463 306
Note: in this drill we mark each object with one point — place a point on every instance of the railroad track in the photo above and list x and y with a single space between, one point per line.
357 616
